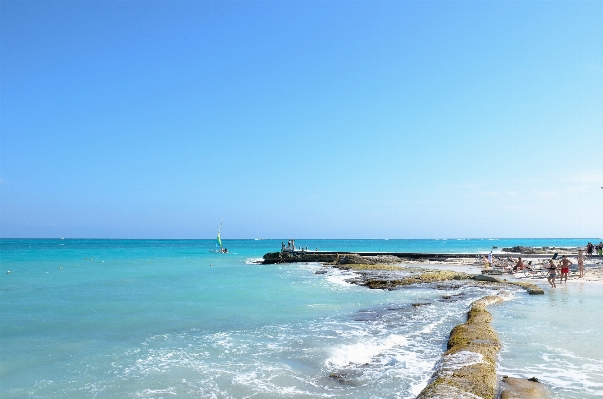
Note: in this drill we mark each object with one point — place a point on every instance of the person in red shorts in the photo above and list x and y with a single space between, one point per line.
565 265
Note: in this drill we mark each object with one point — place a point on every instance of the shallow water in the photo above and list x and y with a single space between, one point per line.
556 338
154 318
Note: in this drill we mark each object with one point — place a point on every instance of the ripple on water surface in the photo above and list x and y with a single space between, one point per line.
556 338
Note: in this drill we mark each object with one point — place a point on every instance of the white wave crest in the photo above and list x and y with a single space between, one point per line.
458 360
363 352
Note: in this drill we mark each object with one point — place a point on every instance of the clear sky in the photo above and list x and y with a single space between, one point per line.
303 119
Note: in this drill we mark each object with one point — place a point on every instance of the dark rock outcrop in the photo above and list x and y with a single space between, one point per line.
331 258
523 250
292 257
492 272
532 289
517 388
353 259
485 277
416 278
535 290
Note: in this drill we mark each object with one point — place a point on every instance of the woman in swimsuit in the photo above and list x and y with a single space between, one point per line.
552 273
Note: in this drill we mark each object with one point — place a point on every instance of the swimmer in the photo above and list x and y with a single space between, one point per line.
8 272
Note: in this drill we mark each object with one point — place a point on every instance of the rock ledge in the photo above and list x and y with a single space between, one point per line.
468 368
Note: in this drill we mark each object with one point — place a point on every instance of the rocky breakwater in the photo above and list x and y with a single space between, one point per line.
532 289
327 258
428 276
524 250
292 257
539 251
390 277
468 368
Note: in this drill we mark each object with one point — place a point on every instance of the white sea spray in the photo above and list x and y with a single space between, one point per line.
456 361
364 351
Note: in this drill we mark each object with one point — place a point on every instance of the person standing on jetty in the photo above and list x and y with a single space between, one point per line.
565 265
589 250
552 273
490 259
581 263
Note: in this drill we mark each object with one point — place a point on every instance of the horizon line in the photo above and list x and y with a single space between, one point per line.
306 238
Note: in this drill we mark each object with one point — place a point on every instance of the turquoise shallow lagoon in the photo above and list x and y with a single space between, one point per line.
165 318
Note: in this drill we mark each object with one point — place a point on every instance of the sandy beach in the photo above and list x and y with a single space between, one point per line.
593 268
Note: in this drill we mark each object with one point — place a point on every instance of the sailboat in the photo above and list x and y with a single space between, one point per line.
219 239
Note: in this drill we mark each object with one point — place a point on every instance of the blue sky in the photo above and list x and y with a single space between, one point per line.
300 119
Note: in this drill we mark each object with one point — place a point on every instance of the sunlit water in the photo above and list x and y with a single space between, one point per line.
556 338
158 318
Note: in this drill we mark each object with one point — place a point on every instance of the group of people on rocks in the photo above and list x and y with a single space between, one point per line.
291 247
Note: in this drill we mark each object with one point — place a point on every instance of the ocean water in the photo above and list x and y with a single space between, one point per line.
169 318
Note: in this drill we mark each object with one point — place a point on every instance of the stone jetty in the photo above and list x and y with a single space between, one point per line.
385 257
469 365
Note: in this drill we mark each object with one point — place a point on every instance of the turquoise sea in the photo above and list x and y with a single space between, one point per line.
169 318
